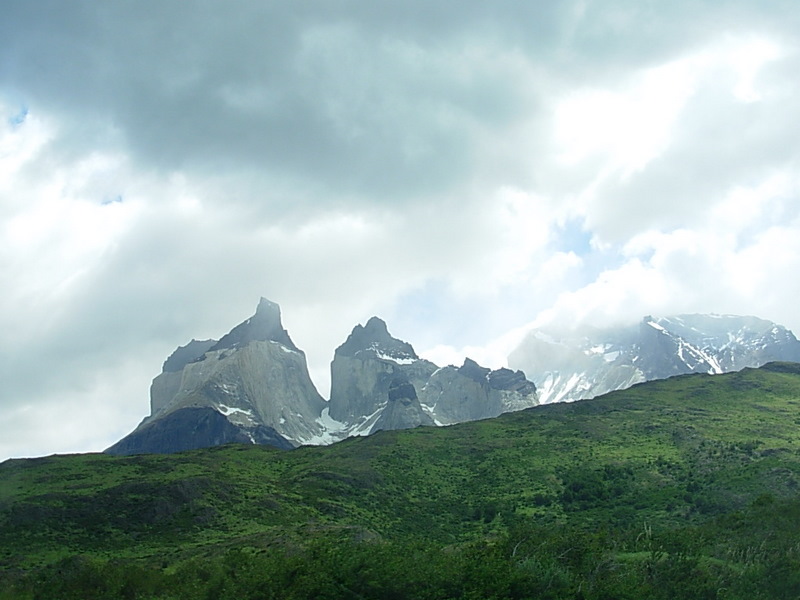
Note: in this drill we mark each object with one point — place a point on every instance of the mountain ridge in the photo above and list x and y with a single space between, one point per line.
587 362
257 379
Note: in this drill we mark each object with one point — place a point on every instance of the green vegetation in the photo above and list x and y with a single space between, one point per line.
684 488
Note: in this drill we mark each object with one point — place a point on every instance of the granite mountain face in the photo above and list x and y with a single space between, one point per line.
365 367
252 386
379 382
254 377
451 393
588 362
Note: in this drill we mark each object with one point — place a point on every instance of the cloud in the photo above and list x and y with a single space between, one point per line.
737 260
462 170
349 101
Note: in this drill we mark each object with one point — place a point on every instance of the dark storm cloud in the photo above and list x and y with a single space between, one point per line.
376 98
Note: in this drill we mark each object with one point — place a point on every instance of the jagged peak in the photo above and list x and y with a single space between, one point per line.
183 355
376 326
474 371
268 307
506 379
498 379
264 325
375 337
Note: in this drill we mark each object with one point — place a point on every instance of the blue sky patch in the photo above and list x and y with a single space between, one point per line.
573 237
111 200
19 118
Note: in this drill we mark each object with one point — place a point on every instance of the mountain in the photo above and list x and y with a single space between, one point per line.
252 385
471 392
588 362
675 489
379 382
363 370
195 427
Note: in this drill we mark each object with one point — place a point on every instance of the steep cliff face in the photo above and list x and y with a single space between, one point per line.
471 392
254 377
363 370
372 367
262 382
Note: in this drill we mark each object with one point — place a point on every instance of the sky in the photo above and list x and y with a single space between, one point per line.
464 170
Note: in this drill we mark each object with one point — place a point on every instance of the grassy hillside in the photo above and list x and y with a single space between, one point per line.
680 488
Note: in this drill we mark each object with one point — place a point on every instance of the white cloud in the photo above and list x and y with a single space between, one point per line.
629 126
617 144
460 173
20 141
90 414
737 260
748 58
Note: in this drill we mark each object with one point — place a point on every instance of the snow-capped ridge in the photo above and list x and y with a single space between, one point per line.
590 362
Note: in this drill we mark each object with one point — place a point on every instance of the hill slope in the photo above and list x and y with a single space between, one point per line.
662 463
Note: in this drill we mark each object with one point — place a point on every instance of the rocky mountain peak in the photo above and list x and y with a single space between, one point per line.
375 337
474 371
362 372
376 326
263 326
183 355
508 380
253 386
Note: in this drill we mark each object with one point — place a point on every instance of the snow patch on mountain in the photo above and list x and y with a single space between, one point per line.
229 410
400 360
